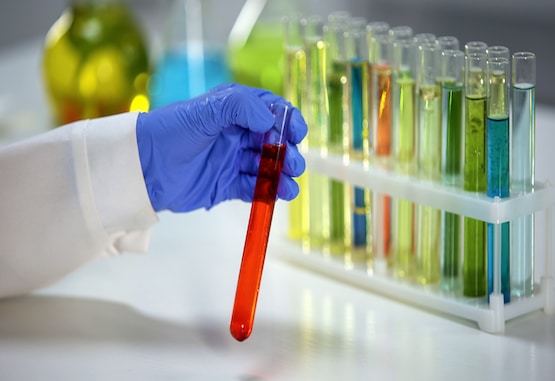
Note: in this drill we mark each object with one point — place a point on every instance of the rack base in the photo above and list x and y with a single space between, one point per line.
490 317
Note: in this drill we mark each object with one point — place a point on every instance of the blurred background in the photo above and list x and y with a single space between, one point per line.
521 25
517 24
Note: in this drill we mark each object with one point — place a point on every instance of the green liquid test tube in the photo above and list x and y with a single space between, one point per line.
404 152
317 120
452 93
474 265
339 131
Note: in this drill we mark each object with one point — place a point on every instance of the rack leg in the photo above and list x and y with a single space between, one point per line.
548 284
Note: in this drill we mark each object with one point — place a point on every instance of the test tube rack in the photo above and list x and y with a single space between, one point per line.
490 316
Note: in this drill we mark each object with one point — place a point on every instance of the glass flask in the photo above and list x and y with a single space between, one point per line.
95 62
193 58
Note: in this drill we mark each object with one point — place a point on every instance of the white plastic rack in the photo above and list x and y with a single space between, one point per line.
490 317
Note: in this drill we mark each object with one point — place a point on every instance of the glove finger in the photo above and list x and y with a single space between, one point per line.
252 140
294 163
250 161
297 126
288 188
242 187
241 107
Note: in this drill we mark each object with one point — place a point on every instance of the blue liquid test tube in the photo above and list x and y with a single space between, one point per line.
497 168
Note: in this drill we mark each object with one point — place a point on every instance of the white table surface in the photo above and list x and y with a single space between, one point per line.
165 315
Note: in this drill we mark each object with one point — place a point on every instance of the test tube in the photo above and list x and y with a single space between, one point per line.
472 47
294 91
260 220
474 264
357 73
498 51
373 30
428 219
420 38
523 168
317 119
497 133
452 93
404 151
337 39
376 28
448 42
401 32
381 137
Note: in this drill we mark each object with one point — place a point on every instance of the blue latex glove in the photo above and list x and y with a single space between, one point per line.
197 153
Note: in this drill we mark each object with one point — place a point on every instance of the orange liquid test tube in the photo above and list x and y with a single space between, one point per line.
260 220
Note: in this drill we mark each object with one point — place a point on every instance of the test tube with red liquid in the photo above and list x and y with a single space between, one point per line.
260 220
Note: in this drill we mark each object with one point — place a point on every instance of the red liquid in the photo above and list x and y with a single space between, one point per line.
256 241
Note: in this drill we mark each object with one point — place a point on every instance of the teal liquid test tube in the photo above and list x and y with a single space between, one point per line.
474 170
452 95
428 219
498 147
294 90
404 153
523 169
339 131
357 73
317 120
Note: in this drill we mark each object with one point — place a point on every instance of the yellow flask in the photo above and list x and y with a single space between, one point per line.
95 62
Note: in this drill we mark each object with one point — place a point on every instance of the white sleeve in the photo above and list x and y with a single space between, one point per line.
68 196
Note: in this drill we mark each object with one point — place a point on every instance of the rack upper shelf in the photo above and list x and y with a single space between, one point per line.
384 181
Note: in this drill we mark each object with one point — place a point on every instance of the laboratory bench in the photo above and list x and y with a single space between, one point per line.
165 315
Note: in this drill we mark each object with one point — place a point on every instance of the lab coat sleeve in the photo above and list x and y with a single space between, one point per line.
69 196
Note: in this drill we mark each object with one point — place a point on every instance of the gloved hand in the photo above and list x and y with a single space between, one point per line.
197 153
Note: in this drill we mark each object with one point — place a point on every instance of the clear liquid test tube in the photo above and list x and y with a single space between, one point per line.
523 168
